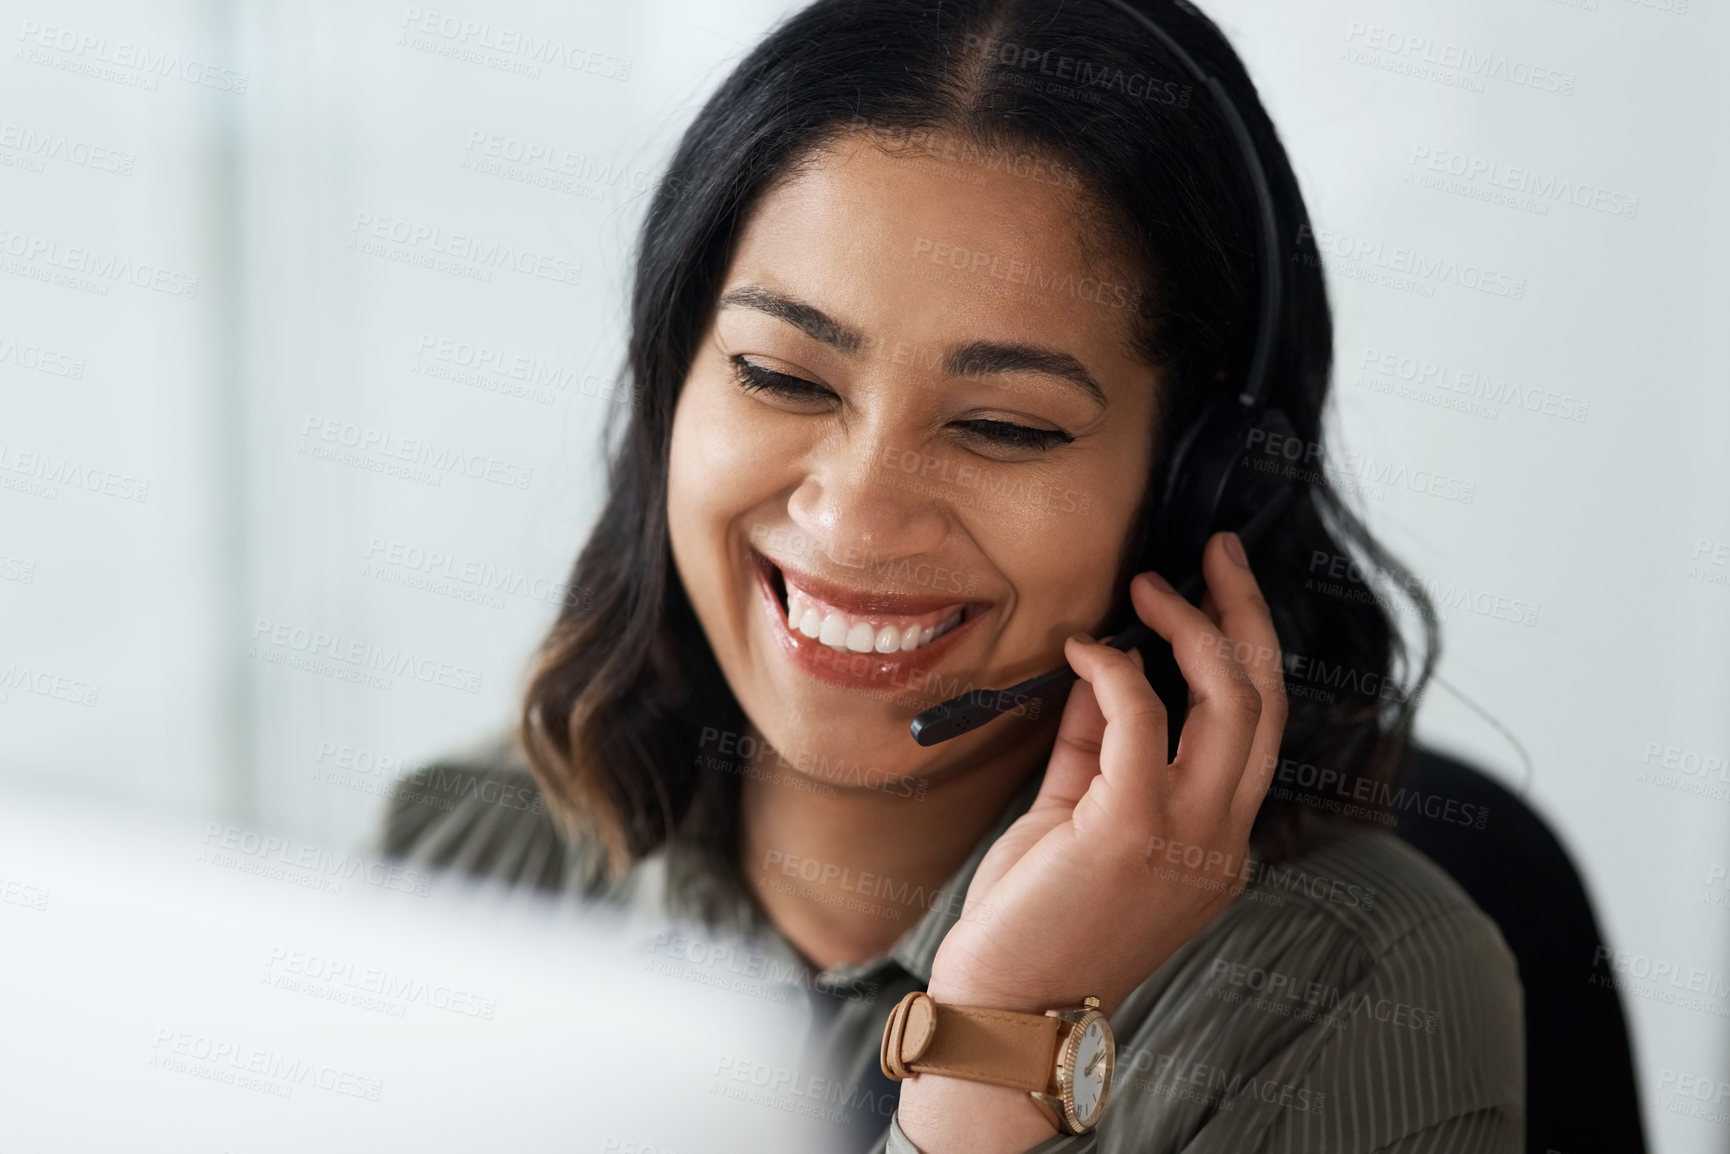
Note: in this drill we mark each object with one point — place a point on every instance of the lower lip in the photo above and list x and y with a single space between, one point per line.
855 670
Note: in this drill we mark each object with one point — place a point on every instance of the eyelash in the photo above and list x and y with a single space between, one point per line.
756 379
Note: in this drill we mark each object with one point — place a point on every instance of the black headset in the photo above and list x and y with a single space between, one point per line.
1211 482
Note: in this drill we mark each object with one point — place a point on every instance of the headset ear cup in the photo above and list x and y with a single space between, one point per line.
1196 475
1263 470
1228 466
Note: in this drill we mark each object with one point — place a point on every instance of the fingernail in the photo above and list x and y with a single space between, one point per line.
1081 637
1158 582
1234 550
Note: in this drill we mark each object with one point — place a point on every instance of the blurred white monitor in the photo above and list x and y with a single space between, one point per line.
202 989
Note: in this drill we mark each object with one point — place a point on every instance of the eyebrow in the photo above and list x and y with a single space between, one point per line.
972 359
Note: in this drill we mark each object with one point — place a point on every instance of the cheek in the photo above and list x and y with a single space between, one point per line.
1060 542
1066 567
694 519
720 468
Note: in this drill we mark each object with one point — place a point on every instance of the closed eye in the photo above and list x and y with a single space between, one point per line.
1007 434
756 379
1016 436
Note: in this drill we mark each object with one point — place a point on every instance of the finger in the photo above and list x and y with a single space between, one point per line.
1224 707
1132 746
1244 616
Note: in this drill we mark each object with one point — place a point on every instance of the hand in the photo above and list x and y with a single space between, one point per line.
1122 857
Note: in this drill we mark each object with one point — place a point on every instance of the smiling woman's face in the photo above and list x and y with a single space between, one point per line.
907 454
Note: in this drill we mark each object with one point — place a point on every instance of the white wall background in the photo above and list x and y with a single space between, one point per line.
263 174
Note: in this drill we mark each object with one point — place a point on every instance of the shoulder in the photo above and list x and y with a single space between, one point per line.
1362 905
1420 956
480 812
1372 891
1355 989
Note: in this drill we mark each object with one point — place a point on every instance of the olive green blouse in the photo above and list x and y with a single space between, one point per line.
1351 1000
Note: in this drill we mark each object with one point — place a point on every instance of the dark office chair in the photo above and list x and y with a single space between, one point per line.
1580 1090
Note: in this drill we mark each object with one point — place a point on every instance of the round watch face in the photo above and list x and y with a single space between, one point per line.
1092 1076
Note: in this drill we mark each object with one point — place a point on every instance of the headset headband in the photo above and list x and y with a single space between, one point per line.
1255 384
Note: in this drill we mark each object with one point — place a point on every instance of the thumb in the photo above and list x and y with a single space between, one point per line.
1075 755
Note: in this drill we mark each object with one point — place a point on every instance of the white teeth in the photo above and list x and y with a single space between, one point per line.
834 632
802 616
839 631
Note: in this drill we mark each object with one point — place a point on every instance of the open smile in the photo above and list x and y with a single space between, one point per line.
859 638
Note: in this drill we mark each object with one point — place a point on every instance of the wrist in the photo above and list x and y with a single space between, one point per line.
1008 1079
944 1115
958 990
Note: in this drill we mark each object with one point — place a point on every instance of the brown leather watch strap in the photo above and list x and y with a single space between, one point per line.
1002 1047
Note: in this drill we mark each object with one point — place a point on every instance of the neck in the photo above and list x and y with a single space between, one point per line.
843 872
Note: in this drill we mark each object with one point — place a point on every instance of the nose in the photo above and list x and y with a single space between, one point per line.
856 507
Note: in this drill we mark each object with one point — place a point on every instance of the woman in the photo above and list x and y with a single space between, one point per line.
926 299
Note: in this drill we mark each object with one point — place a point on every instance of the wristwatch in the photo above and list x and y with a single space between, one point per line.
1064 1058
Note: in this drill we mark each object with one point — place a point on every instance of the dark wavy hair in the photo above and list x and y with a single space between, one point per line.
626 683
